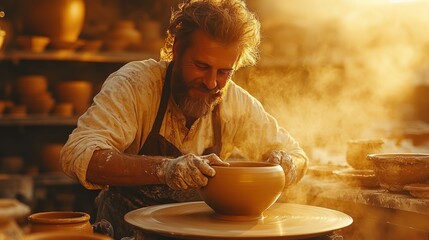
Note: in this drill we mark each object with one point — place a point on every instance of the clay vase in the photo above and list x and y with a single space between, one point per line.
60 221
60 20
243 190
11 209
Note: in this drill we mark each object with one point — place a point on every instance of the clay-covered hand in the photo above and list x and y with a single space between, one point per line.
188 171
285 160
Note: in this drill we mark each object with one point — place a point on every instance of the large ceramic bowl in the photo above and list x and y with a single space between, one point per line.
243 190
395 170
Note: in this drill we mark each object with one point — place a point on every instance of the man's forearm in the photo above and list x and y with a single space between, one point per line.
108 167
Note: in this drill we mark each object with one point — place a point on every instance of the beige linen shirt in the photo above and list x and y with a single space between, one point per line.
123 112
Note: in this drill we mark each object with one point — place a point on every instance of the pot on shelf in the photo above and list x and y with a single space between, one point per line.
77 92
60 20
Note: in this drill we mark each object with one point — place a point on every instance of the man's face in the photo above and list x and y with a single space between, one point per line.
201 73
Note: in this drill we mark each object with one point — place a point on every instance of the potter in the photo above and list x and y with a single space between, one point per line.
157 128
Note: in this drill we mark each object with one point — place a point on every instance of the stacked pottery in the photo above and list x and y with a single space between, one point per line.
34 94
77 92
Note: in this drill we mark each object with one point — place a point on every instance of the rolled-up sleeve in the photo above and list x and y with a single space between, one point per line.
259 133
115 119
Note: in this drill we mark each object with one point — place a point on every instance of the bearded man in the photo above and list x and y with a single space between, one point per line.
156 127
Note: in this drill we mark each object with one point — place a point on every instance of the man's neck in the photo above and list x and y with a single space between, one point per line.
190 121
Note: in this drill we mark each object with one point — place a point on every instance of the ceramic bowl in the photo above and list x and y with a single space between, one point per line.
395 170
358 149
243 190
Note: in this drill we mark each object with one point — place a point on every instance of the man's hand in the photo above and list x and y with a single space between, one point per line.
283 159
188 171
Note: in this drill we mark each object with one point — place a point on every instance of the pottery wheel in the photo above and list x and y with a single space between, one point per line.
196 220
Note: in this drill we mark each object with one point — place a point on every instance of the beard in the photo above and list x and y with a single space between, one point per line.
194 107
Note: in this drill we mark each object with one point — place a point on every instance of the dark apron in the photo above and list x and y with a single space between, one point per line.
115 202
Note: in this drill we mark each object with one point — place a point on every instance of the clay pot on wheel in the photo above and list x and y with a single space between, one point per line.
243 190
60 20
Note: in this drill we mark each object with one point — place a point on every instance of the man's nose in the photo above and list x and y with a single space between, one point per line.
210 80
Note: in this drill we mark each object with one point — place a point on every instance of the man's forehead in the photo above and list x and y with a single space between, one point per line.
206 49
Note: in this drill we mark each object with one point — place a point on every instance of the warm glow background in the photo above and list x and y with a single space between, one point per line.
344 69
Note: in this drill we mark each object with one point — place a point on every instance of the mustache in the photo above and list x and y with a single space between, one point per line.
203 88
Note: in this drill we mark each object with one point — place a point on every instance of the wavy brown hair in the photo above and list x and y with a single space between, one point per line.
228 21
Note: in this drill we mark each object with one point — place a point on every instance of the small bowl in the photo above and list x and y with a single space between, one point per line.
324 171
358 178
418 190
395 170
358 149
243 190
91 46
64 109
32 43
66 45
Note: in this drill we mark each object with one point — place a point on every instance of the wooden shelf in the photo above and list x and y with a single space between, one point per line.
37 120
66 55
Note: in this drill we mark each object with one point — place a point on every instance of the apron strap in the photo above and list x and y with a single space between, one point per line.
166 90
